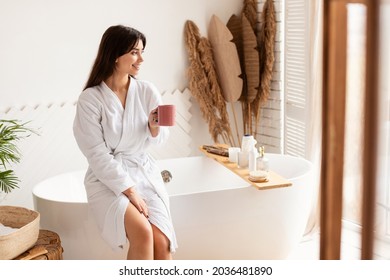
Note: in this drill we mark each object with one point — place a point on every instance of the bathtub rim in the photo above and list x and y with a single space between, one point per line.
309 164
54 177
245 184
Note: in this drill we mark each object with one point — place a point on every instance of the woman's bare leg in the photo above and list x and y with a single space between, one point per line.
140 234
161 245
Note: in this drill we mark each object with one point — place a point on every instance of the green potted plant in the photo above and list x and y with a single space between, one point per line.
23 222
11 131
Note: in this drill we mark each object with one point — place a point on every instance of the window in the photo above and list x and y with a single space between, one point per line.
298 104
296 77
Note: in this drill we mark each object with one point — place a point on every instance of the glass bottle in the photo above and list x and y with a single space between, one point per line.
262 162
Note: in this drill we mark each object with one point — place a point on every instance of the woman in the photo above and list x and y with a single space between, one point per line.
116 120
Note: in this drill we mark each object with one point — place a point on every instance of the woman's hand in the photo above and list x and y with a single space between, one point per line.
153 123
137 201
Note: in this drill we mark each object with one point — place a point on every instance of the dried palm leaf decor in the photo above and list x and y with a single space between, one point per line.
227 63
226 59
266 43
251 59
245 40
250 12
252 68
204 84
234 24
235 27
234 64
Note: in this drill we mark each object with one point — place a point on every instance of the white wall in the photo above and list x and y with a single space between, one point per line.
47 49
47 46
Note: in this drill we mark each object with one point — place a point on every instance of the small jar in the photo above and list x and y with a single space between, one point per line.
243 158
233 154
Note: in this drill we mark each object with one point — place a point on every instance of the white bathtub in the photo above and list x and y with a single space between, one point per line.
216 214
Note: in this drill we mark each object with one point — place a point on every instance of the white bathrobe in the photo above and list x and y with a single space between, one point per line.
114 140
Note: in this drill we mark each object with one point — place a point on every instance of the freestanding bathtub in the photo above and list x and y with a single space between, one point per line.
216 214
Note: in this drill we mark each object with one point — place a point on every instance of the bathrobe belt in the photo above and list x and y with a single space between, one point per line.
141 161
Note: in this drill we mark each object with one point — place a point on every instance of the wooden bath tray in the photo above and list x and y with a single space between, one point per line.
275 180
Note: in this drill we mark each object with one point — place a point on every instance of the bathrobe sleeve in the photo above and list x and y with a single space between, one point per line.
89 136
160 138
153 99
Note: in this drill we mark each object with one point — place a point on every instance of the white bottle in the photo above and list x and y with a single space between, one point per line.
243 156
252 159
246 141
262 163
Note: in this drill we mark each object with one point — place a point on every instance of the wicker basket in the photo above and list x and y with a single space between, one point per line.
27 222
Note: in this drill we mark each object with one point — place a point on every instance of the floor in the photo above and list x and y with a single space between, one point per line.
309 248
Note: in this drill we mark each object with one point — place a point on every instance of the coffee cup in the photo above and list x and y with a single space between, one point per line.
166 115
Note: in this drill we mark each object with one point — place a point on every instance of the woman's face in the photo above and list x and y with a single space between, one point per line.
129 63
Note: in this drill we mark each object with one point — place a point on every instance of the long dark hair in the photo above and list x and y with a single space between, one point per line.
116 41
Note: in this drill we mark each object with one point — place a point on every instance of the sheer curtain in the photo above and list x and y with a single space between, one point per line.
315 105
383 192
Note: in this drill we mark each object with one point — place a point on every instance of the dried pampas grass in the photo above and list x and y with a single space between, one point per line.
222 126
266 47
204 85
266 41
221 73
251 100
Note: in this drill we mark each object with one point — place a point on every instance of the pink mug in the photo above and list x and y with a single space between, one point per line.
166 115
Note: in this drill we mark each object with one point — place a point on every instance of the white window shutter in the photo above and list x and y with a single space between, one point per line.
296 78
